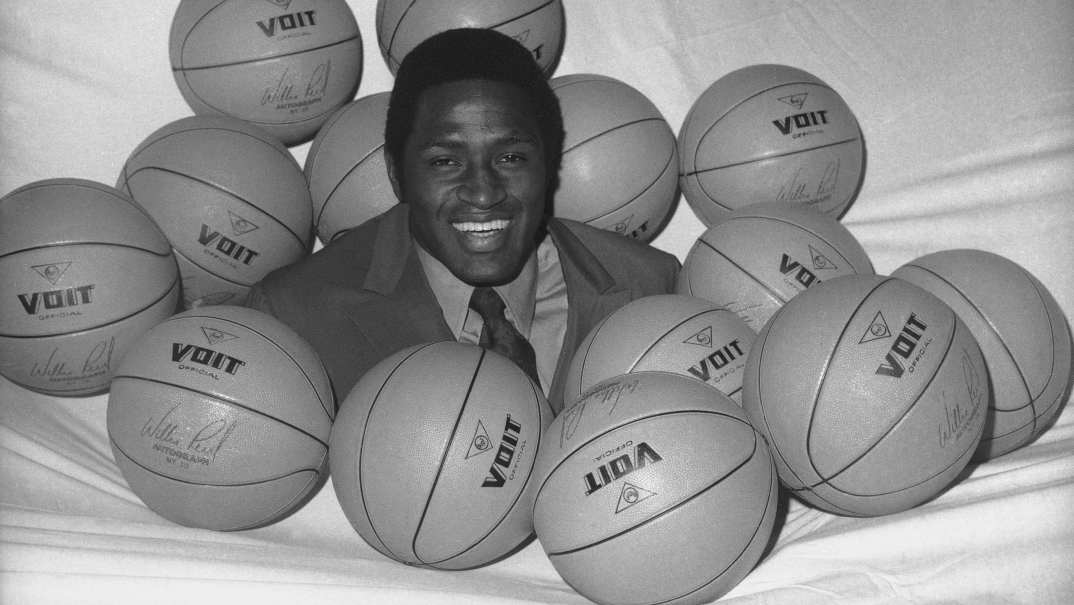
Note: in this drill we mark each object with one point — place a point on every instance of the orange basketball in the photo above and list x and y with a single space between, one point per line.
432 455
86 272
871 393
219 418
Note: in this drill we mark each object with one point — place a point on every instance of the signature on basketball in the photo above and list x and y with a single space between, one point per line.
604 393
295 92
58 365
188 440
960 414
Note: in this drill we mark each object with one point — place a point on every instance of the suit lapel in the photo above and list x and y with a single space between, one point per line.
402 309
592 294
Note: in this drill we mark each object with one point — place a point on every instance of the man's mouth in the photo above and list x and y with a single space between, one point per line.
482 228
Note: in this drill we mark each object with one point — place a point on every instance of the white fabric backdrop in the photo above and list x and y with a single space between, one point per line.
967 110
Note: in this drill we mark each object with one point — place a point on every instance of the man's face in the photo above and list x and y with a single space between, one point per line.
473 173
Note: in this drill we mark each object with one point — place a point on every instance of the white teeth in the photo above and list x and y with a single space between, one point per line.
473 227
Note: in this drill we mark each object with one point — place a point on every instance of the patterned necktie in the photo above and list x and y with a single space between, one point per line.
500 335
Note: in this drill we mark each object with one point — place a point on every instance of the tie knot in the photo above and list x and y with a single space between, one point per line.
487 302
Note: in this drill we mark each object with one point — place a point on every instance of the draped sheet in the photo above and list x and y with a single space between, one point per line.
967 110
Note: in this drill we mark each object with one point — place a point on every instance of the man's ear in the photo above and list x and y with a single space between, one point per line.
393 173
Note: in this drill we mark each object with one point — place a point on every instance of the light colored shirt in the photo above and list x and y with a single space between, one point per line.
536 304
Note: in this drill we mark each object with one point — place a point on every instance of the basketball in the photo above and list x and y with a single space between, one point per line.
620 162
231 199
345 167
219 418
282 66
871 393
536 24
432 455
85 273
1022 332
769 133
664 332
654 488
760 256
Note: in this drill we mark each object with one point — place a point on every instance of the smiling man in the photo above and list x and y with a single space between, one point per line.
473 143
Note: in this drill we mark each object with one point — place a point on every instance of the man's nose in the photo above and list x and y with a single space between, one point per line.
482 187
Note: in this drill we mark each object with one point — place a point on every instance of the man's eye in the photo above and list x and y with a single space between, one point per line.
512 158
442 162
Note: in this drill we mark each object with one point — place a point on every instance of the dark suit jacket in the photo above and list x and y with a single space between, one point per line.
365 295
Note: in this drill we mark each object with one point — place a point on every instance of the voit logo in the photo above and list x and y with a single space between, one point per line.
907 348
287 22
523 39
206 360
43 302
620 466
509 447
798 274
226 248
804 120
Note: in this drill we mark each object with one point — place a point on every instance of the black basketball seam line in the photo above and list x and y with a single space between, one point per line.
965 453
150 142
1051 329
269 58
331 194
551 471
286 353
302 245
402 17
443 461
820 237
764 287
222 399
827 480
194 26
127 199
824 377
647 188
518 496
666 333
773 446
79 391
318 141
585 356
736 105
91 243
164 295
768 157
387 50
773 487
316 472
671 508
612 129
991 327
361 449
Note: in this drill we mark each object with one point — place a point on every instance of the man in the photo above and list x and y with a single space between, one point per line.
473 142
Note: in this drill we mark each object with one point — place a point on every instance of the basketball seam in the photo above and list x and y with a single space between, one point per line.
172 286
194 26
612 129
674 506
273 144
301 244
824 376
701 136
764 287
89 243
126 199
331 194
266 58
666 333
361 449
925 387
286 353
770 157
518 496
395 32
809 231
585 356
648 187
552 470
443 462
991 327
161 474
222 399
403 16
